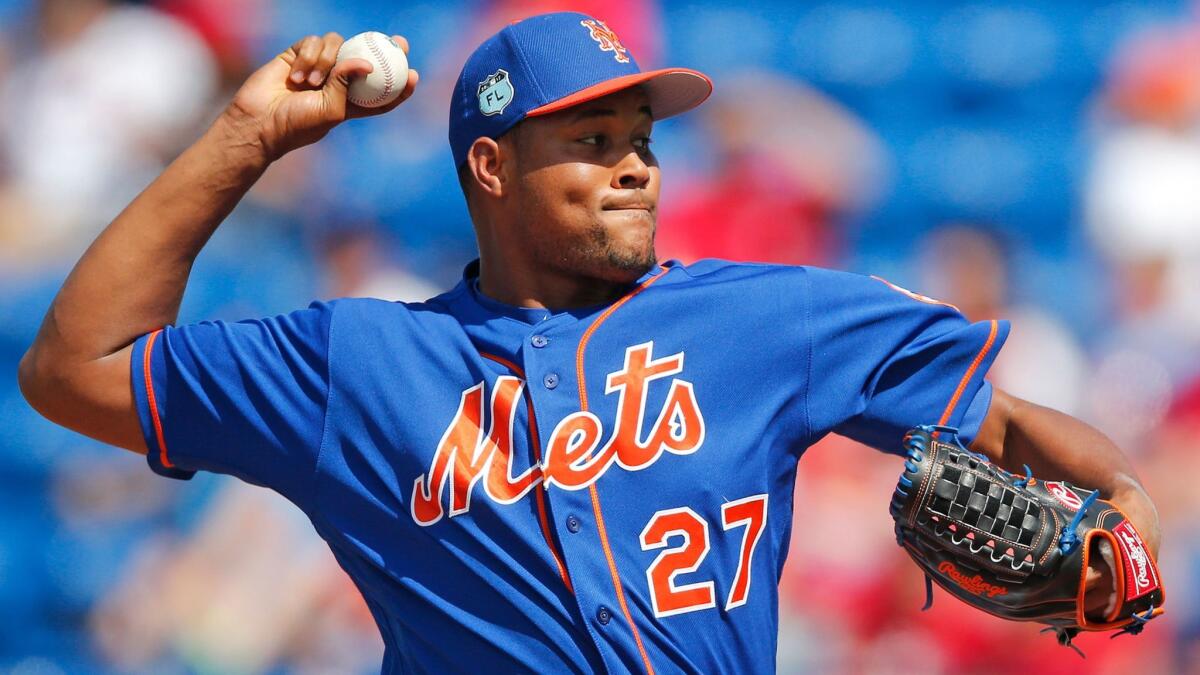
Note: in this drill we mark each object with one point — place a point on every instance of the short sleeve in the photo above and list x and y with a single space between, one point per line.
246 399
884 359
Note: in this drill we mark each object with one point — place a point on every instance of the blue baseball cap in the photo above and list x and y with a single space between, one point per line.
551 62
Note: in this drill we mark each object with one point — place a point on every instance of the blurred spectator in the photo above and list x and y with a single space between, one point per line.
230 28
356 263
1143 213
253 589
787 164
102 96
1155 77
968 267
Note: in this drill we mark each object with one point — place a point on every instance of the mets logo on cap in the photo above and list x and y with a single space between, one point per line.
607 39
495 93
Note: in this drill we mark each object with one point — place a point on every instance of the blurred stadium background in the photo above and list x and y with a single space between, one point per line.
1030 160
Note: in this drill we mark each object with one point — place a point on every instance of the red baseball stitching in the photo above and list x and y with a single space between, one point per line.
389 78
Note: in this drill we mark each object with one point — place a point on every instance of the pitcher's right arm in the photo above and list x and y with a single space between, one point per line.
131 280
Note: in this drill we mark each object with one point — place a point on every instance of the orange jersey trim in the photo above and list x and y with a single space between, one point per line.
158 430
600 529
966 378
540 490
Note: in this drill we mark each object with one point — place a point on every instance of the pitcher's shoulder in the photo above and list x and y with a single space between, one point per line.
368 311
751 275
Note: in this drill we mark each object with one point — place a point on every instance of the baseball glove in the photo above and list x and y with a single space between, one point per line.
1015 546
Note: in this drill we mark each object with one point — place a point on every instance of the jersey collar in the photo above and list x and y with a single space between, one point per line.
470 293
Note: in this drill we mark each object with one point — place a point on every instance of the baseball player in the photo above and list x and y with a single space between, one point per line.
578 459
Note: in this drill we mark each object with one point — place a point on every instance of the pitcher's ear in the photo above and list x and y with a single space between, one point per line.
487 167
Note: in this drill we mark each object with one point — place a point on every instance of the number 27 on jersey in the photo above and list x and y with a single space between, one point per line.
669 597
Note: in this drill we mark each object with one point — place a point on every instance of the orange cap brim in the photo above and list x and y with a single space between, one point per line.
671 91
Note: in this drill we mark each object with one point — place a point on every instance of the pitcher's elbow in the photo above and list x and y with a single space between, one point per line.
34 380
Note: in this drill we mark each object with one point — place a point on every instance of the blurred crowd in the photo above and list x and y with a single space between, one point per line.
1032 161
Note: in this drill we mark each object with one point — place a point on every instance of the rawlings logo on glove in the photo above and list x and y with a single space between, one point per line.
1134 551
1016 547
974 584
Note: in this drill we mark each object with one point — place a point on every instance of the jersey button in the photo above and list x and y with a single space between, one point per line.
539 341
573 524
603 615
550 380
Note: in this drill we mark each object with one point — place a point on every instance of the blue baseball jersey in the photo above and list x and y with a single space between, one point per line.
586 490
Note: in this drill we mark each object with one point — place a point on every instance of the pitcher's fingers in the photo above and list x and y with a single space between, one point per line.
411 85
295 48
306 55
347 71
331 43
402 41
357 111
336 89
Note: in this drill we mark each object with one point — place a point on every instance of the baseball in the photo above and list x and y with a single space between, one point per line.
383 84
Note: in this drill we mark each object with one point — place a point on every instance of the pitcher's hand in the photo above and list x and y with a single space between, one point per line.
297 97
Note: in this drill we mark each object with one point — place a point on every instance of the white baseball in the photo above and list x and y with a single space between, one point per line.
383 84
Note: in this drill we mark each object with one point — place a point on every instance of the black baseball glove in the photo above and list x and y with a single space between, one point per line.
1015 546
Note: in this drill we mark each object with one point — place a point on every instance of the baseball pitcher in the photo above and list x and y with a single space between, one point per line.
578 459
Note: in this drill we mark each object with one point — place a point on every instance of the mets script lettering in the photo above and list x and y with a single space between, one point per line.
574 458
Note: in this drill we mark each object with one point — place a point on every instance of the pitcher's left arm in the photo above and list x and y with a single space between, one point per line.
1057 446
